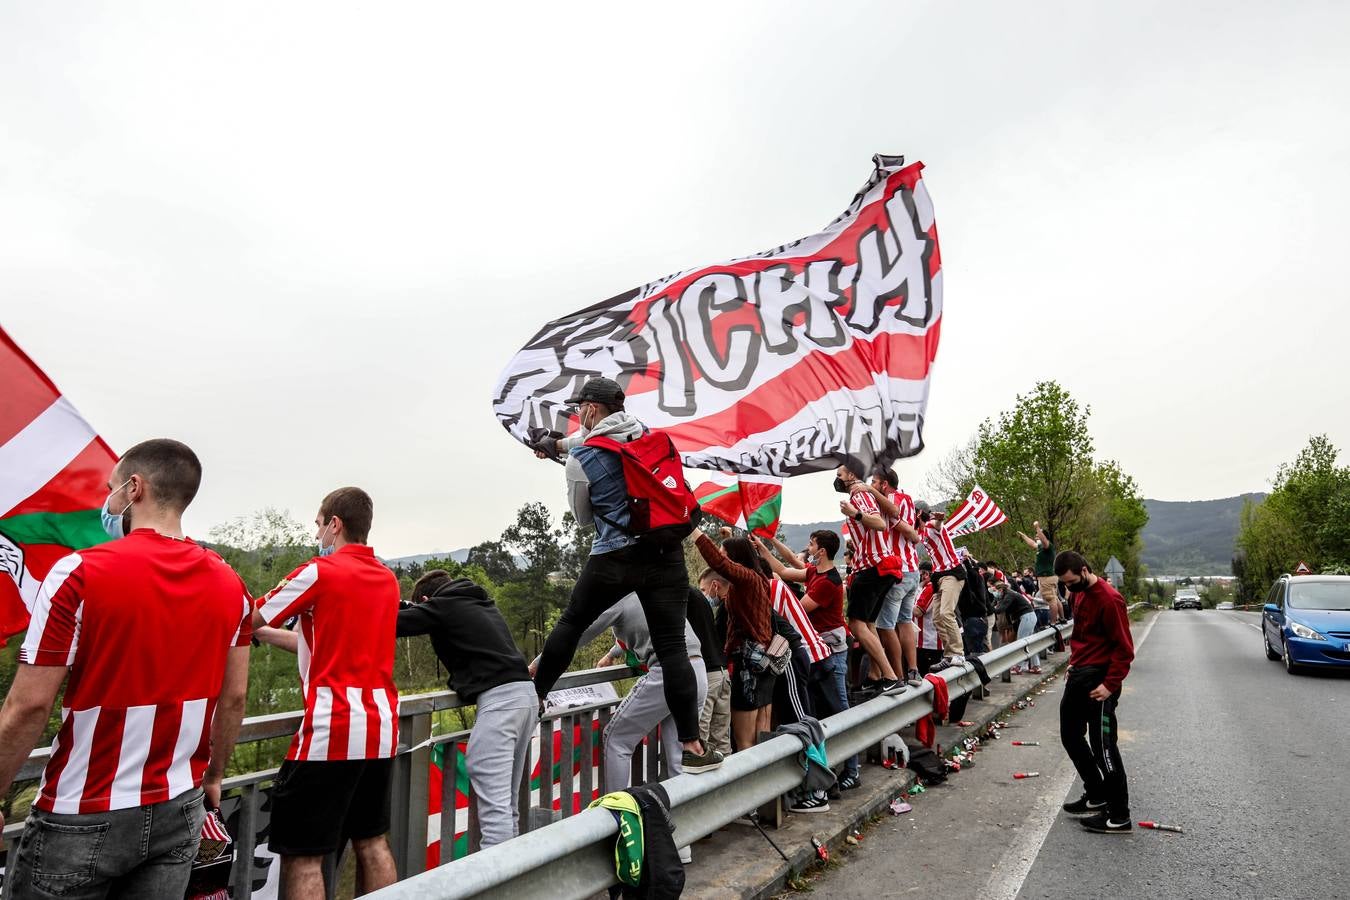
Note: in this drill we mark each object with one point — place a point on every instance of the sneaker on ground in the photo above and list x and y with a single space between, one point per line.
686 855
1034 670
1104 824
851 781
1083 805
913 678
701 762
809 804
1015 670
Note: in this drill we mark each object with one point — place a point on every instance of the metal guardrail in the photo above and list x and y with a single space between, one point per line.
575 858
410 789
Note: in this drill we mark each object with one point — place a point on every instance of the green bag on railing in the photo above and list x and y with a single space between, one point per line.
629 850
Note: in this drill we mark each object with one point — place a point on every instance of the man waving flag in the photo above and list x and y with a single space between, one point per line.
53 471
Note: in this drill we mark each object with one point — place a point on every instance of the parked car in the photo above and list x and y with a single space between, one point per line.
1306 621
1227 604
1187 598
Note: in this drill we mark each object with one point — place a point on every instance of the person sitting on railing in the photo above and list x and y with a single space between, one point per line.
473 642
749 622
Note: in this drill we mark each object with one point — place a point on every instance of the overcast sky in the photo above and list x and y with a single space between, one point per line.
305 238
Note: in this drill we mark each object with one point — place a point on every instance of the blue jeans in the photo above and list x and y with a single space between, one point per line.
145 851
836 664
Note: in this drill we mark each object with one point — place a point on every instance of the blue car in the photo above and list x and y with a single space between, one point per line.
1306 622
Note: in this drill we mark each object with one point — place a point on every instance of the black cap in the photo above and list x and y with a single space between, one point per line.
600 390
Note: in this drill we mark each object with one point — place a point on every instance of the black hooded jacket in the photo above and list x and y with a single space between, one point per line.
469 635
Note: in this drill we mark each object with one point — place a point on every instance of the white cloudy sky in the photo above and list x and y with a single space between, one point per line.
306 237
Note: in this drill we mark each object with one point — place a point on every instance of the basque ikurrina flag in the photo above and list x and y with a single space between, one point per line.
53 481
752 503
784 362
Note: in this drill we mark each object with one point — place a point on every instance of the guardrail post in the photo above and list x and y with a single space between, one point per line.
408 827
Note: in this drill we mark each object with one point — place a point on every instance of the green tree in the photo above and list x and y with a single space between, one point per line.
495 559
1305 518
1037 462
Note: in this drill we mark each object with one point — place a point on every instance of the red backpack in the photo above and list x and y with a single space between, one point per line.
662 510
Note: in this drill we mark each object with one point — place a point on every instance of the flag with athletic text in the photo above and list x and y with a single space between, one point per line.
978 512
53 480
785 362
753 503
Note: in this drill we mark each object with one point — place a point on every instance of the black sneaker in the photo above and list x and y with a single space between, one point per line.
891 686
1082 806
701 762
870 686
809 804
850 781
1104 824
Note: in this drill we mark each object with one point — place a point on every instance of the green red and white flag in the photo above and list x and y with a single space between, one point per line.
53 481
750 502
437 773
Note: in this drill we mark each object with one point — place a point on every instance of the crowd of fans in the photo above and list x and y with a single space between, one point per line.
763 637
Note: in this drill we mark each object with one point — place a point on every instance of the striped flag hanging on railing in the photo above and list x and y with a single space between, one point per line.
978 512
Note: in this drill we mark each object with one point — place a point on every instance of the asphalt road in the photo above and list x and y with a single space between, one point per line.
1251 761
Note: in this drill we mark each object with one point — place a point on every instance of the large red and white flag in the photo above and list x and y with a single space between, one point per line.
788 361
750 502
53 480
978 512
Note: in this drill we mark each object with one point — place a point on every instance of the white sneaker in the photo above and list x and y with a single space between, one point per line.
686 855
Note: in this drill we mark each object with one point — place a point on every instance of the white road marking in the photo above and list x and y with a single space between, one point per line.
1015 864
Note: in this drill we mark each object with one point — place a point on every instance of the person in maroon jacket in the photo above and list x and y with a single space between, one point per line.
1100 653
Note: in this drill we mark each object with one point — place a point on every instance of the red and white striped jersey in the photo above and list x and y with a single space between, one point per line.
940 548
348 609
786 604
908 553
869 547
145 624
928 638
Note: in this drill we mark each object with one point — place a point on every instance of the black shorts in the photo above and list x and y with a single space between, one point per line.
867 594
749 690
319 806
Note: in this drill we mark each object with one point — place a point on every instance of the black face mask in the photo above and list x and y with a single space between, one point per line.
1078 586
840 486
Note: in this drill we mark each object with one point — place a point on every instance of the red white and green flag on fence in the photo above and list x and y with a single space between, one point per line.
53 480
749 502
580 747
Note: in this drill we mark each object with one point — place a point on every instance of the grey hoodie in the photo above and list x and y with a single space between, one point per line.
622 427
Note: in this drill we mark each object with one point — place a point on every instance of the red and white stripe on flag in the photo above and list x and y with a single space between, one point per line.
978 512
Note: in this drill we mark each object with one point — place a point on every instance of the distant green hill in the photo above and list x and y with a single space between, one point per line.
1192 537
1188 537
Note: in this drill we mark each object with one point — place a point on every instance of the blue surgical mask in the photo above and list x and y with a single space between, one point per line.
714 602
113 523
328 550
